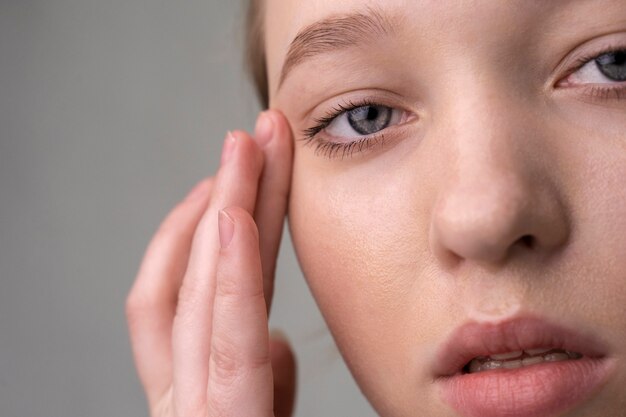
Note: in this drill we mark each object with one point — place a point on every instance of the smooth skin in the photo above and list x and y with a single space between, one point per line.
198 310
502 195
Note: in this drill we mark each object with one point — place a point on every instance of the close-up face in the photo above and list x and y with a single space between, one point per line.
459 192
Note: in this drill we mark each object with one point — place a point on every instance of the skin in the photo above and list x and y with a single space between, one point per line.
197 312
502 195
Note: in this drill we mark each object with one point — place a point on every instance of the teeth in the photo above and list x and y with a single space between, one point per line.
491 365
555 357
534 352
532 361
483 363
505 356
512 364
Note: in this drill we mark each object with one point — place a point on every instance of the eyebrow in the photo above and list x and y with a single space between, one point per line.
333 33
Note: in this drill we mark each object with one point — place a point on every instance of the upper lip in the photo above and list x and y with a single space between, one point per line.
474 339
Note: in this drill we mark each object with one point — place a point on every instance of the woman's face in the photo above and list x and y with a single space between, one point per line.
485 183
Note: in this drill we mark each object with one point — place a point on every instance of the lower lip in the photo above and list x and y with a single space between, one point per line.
540 390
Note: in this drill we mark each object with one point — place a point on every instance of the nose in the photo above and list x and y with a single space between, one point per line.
500 198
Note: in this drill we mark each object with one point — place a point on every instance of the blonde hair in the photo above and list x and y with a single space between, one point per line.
255 59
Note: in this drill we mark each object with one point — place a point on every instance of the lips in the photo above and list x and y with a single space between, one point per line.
544 388
485 339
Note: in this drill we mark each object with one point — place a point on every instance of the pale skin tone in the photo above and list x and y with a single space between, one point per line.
499 190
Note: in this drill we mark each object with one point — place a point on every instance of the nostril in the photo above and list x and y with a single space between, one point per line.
528 241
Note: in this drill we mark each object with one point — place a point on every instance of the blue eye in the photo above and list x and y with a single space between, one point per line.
353 127
607 68
362 121
612 65
601 75
367 120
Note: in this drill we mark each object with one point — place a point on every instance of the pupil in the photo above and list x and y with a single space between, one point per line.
613 65
367 120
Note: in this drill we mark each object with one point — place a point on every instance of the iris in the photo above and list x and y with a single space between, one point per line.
613 65
369 119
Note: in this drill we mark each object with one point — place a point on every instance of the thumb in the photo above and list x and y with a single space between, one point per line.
284 371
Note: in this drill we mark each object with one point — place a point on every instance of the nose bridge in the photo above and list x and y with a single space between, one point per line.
494 197
492 136
489 132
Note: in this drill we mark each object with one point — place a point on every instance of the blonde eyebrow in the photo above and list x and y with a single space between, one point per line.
333 33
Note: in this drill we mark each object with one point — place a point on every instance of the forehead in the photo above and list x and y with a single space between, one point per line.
428 23
284 19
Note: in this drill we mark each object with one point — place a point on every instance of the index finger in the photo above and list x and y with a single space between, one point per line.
274 135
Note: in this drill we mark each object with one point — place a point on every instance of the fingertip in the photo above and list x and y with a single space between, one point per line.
284 370
278 335
248 145
240 134
276 114
282 129
280 349
264 130
201 189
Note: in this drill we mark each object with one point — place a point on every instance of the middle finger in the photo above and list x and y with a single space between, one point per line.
236 185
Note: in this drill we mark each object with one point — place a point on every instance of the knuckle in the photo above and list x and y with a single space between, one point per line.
134 304
144 299
230 363
233 292
225 361
137 309
129 310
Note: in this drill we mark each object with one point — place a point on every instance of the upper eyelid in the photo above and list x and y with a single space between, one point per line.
586 59
585 52
370 95
324 121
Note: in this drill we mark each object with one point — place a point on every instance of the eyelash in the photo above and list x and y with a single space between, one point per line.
330 149
598 92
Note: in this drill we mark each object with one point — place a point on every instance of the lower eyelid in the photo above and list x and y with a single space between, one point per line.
388 137
596 93
332 149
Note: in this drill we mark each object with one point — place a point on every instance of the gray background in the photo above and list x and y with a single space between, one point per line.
109 112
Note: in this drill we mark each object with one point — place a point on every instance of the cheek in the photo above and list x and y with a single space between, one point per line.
592 176
352 237
594 275
361 239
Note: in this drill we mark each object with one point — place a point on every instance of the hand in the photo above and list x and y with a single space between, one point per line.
197 312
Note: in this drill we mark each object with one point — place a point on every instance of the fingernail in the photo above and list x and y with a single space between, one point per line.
229 145
226 226
264 129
